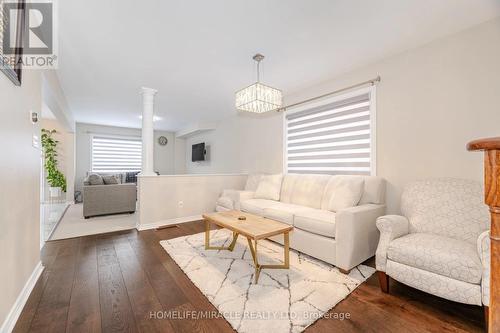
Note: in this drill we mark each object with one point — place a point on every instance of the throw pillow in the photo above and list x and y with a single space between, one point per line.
252 182
269 187
95 179
347 192
110 180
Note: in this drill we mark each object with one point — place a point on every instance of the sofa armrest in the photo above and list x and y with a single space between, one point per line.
237 196
356 234
391 227
483 249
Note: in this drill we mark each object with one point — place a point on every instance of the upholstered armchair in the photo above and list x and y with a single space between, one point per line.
441 243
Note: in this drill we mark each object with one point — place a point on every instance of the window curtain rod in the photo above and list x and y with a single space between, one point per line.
369 82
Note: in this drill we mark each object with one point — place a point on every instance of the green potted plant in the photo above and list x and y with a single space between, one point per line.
55 177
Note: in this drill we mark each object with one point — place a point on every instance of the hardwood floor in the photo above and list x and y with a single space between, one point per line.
112 283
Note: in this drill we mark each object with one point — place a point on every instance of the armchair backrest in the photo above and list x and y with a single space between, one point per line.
447 207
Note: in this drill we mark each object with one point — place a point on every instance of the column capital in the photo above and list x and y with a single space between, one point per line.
148 91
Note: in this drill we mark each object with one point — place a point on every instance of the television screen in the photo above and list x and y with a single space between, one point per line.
198 153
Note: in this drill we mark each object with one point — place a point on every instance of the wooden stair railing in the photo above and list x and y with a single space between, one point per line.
491 148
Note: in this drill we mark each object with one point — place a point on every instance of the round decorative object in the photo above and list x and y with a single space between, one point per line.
162 141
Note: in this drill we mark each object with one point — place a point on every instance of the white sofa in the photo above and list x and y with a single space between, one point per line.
231 199
441 243
344 238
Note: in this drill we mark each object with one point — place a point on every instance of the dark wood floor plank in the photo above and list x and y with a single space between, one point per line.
135 276
116 311
195 325
84 313
411 311
25 319
52 311
48 256
364 316
141 294
166 290
194 295
50 250
462 316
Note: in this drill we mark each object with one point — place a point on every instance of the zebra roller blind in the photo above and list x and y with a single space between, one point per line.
334 138
112 154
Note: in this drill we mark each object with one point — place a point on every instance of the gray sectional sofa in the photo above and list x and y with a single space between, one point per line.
100 198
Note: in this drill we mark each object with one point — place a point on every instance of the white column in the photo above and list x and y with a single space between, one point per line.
148 100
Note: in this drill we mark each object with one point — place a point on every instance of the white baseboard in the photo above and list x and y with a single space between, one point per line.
141 227
15 311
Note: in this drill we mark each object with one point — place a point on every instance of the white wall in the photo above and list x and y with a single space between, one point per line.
66 156
432 100
53 97
242 143
20 187
179 156
172 199
164 156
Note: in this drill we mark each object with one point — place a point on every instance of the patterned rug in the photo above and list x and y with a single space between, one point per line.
282 301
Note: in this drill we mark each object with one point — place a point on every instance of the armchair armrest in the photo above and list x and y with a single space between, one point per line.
237 196
391 227
483 249
356 234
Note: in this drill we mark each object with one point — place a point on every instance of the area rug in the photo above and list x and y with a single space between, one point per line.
73 224
282 301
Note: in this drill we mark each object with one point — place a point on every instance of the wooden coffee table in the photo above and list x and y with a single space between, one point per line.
253 228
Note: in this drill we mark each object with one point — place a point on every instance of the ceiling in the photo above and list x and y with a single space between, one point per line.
47 112
198 53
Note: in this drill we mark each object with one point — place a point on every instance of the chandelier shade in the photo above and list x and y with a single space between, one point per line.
258 97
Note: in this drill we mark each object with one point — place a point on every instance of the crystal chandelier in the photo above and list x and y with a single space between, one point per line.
258 97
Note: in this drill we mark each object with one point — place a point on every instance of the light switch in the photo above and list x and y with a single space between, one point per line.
35 141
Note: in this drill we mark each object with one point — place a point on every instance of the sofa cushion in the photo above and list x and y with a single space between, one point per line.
110 180
343 192
252 182
269 187
374 192
256 206
445 256
95 179
225 202
287 187
282 212
308 190
320 222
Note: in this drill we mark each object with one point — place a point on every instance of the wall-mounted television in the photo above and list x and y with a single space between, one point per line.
198 152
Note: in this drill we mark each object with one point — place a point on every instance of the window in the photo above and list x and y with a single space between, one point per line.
12 26
335 136
116 154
